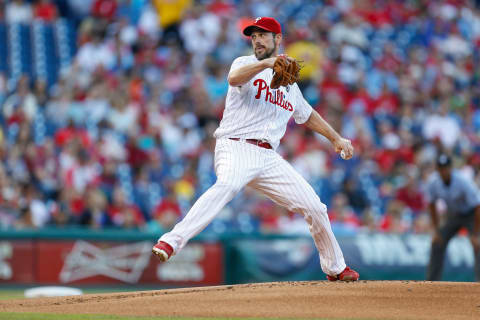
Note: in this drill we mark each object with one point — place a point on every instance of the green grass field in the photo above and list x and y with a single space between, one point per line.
11 294
44 316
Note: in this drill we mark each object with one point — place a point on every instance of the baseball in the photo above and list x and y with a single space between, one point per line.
342 154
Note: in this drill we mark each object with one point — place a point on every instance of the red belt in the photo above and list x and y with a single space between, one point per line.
256 142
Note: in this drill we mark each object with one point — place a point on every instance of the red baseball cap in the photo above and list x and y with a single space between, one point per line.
265 23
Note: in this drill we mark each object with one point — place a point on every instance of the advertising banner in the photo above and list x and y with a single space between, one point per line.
374 256
107 262
69 261
406 257
16 261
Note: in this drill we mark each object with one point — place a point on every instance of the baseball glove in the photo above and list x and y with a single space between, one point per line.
285 72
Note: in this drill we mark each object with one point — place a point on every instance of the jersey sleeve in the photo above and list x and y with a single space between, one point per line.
303 109
237 63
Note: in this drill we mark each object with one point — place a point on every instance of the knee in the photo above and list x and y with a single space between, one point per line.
318 206
315 207
316 216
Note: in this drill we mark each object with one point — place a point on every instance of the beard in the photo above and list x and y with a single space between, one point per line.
267 53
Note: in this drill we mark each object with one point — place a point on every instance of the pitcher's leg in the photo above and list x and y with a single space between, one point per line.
236 164
331 256
281 183
200 215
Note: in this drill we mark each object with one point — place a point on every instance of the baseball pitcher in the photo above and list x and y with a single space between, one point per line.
261 98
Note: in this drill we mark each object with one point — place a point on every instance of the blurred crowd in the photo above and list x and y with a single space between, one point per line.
125 136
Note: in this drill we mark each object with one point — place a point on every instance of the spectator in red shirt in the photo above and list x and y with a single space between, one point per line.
392 220
83 173
386 103
359 100
410 195
65 135
45 10
136 156
341 212
385 158
331 87
268 215
376 15
123 214
390 61
167 212
105 9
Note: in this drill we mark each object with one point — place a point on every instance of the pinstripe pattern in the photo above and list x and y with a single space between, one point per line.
250 118
286 187
233 173
238 164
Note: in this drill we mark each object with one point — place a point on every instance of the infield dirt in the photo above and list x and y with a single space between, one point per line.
320 299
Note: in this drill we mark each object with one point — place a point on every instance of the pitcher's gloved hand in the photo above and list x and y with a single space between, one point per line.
285 72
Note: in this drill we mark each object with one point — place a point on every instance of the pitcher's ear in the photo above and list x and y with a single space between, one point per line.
278 37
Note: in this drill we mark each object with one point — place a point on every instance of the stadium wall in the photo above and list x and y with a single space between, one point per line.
119 257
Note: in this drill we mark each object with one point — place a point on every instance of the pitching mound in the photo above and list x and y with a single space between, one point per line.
321 299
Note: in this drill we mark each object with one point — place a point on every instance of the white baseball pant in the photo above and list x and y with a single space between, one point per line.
237 164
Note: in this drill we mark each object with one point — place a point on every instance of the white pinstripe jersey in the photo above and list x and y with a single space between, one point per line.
255 111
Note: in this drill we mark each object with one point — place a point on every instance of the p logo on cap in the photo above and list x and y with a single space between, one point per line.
264 23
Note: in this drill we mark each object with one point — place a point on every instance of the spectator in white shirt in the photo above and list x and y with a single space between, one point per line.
18 11
94 54
442 126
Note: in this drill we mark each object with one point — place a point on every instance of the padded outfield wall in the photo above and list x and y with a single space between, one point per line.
120 257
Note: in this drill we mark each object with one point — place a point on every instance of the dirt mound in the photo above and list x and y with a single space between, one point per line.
321 299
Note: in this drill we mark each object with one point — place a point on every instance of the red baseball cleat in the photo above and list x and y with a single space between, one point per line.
346 275
162 250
